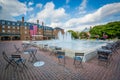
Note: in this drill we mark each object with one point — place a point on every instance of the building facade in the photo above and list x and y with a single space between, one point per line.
20 30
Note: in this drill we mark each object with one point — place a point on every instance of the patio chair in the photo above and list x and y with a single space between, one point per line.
60 56
78 59
104 56
17 49
33 55
19 61
45 47
52 49
57 49
8 60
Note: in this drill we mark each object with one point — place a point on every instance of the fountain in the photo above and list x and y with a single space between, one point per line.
64 37
70 46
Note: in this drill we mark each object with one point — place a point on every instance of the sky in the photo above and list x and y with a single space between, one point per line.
67 14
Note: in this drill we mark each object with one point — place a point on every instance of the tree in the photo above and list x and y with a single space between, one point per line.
111 29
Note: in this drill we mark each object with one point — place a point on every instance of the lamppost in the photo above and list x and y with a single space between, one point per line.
43 29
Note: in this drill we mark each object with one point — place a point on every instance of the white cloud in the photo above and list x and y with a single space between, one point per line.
67 1
56 24
39 5
12 8
49 14
82 7
103 13
30 3
30 9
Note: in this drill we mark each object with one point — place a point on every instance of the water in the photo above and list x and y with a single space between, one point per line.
70 46
64 37
76 45
89 47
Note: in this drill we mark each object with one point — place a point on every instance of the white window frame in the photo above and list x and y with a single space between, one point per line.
3 26
25 32
8 31
3 31
18 27
13 27
8 27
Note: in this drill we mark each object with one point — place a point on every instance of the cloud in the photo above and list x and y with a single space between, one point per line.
82 7
67 1
49 14
30 3
12 8
102 14
39 5
56 24
30 9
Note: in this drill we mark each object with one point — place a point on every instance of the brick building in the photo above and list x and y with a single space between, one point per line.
20 30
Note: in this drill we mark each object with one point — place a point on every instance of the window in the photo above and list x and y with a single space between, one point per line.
8 31
18 24
25 32
3 22
18 31
25 24
3 31
13 23
25 27
17 27
13 27
8 27
13 31
8 23
3 26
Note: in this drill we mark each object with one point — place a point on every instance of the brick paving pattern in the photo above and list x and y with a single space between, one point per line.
52 70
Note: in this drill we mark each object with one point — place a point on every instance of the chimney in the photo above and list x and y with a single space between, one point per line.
37 21
22 19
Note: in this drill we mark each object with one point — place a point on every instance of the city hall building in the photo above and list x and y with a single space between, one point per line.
20 30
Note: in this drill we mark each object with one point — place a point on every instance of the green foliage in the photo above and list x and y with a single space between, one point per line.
83 35
75 35
112 29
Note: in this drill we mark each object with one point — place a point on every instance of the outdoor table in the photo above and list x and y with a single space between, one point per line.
25 45
32 53
104 51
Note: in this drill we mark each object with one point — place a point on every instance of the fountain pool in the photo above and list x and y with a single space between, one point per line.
88 47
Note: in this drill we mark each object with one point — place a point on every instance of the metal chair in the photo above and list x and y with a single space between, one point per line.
19 60
8 60
104 56
78 59
17 49
60 56
45 47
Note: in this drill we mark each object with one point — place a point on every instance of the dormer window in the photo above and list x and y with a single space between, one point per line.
29 24
25 24
8 23
13 23
3 22
17 24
